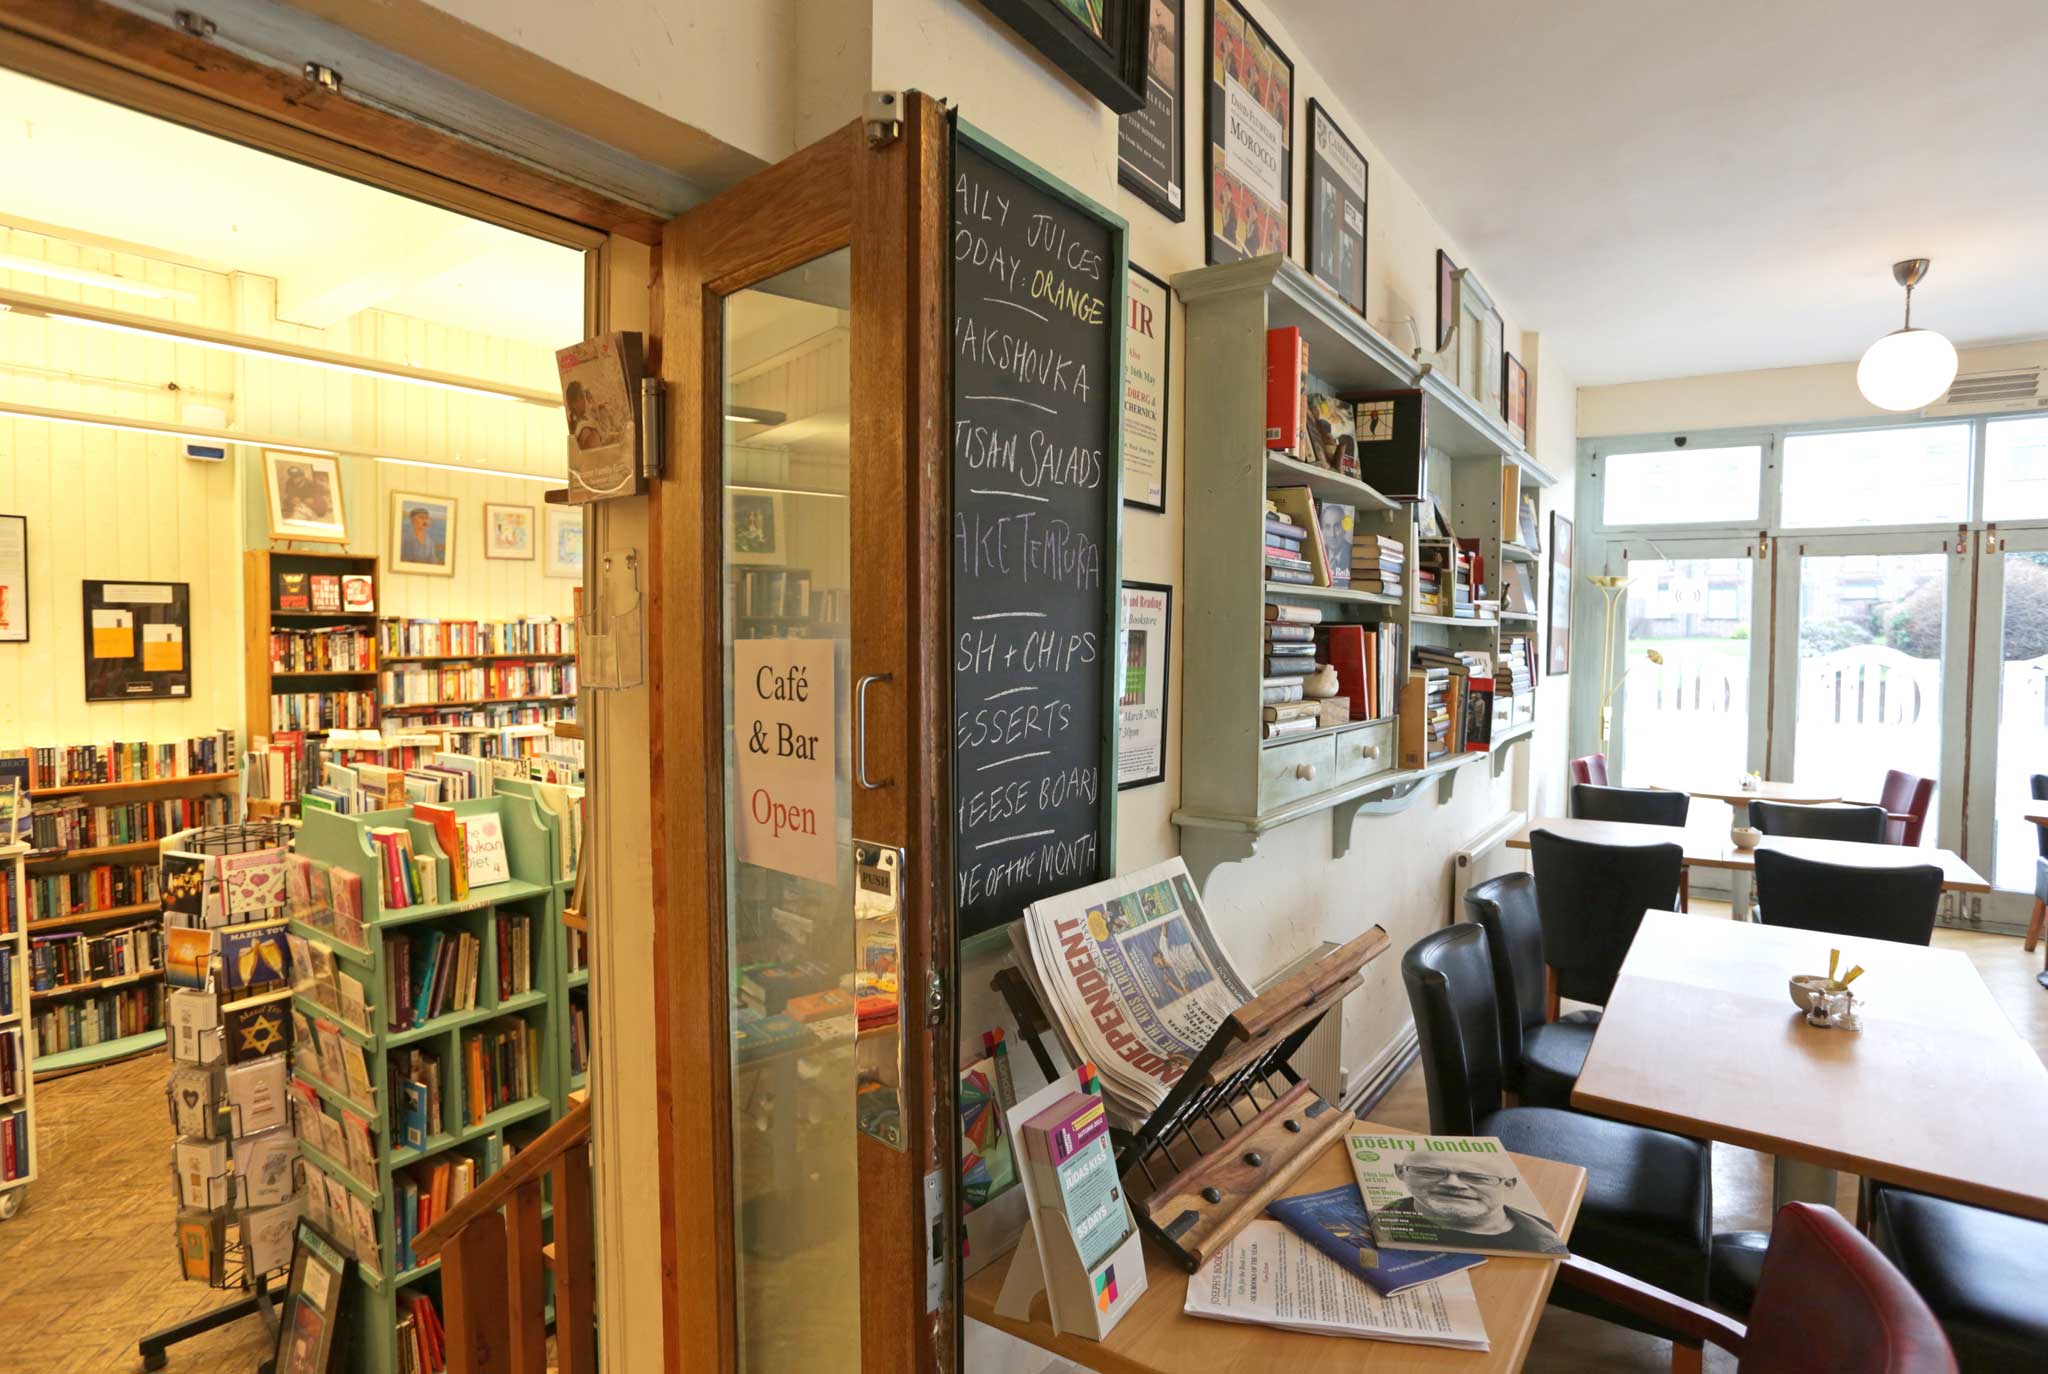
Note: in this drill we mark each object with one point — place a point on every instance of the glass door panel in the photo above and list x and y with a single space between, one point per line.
2009 722
1685 713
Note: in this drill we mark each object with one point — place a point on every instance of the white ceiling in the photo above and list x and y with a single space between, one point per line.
1665 187
335 246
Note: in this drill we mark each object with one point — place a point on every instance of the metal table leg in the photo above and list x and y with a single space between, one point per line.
1794 1180
1739 879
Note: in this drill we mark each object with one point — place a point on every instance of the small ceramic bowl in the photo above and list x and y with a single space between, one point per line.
1745 836
1806 987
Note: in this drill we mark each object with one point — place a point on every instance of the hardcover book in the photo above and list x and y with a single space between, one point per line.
1460 1194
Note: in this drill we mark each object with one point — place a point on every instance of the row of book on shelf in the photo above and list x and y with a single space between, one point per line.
1311 542
1462 700
469 682
76 822
79 892
324 649
1319 674
455 638
350 710
47 767
436 972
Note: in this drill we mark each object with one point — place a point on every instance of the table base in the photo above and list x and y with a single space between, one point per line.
1794 1180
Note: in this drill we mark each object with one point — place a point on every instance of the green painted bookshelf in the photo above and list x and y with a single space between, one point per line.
576 980
342 842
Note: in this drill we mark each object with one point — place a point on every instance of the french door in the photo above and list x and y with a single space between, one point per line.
2009 718
797 590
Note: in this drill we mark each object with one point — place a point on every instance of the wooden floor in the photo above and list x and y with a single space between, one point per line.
88 1266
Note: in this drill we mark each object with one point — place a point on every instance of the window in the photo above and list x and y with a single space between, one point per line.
1682 486
2016 469
1908 475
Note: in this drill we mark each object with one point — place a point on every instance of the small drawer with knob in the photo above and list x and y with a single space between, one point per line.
1362 752
1288 772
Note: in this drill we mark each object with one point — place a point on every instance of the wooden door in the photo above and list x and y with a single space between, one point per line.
798 538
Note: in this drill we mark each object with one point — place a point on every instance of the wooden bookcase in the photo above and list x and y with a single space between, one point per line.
14 1191
428 715
342 842
1239 786
259 595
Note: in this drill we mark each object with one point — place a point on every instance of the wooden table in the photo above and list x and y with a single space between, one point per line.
1937 1092
1730 790
1156 1337
1709 847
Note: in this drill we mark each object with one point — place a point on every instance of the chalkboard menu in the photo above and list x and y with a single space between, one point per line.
1037 400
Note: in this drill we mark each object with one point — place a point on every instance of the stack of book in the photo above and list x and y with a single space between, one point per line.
1289 656
1285 557
1439 698
1378 563
1429 594
1515 666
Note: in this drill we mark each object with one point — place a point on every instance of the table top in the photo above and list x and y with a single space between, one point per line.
2038 817
1731 790
1708 846
1937 1093
1157 1337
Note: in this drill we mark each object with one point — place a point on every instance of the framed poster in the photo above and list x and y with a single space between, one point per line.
422 534
1148 368
13 579
1482 339
304 491
508 531
1145 664
1558 660
1514 397
564 542
1250 143
1446 299
138 641
1337 174
1151 150
310 1328
1100 43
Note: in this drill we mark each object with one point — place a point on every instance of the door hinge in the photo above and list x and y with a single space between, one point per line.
1992 543
935 999
1763 543
882 116
323 76
197 25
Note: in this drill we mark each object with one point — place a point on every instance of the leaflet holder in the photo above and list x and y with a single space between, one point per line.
1214 1153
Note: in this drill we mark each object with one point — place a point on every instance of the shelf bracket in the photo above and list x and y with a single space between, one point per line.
1500 755
1344 815
1204 850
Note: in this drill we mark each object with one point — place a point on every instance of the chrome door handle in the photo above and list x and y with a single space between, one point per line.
860 732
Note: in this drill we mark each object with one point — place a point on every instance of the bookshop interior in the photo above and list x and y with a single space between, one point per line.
1021 687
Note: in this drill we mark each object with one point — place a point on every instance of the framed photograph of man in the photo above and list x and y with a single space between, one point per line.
422 534
1250 142
305 496
508 531
564 547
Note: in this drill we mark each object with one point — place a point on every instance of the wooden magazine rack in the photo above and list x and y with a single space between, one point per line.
1222 1151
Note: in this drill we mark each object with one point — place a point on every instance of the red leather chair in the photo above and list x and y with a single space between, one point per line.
1905 800
1592 768
1828 1302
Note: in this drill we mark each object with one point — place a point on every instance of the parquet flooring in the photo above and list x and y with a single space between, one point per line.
88 1265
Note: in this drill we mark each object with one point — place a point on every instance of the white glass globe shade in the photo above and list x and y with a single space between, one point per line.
1906 370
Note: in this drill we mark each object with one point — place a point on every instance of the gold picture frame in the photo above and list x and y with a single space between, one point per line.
422 534
305 497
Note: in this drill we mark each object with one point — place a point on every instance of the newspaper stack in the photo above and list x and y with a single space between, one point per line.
1132 980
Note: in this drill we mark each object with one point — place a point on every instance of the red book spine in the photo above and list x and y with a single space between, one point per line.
1286 384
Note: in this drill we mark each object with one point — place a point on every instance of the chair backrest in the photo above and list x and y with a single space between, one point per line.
1591 899
1643 805
2039 784
1449 976
1505 908
1905 795
1863 823
1592 768
1844 899
1828 1299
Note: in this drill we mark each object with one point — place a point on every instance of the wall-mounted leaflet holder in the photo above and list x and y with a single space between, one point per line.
878 990
609 635
604 404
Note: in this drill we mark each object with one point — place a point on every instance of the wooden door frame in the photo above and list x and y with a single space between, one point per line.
889 203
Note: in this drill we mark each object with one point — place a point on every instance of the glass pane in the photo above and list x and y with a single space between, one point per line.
1912 475
2016 469
789 864
1688 717
2022 720
1681 486
1870 629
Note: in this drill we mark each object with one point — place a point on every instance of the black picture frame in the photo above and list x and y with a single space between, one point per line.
1558 640
1226 241
1110 66
1165 686
1446 298
1140 133
9 634
1165 391
299 1348
1327 188
118 668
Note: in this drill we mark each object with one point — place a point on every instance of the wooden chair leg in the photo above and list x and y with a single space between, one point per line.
2034 924
1550 997
1685 889
1687 1359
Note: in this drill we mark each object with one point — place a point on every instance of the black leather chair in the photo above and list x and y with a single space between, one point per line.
1648 1209
1540 1059
1984 1273
1591 898
1642 805
1845 899
1864 824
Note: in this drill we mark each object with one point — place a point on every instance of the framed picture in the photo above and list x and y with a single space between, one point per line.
1337 174
1558 660
1250 121
1151 151
1514 397
1148 364
1145 662
13 579
1100 43
1481 340
754 528
305 497
1531 526
138 641
508 531
422 534
311 1329
1446 299
564 542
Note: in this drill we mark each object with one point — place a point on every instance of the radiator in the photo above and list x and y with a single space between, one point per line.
1485 855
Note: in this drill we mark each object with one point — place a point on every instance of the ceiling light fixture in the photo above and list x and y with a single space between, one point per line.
1907 368
81 276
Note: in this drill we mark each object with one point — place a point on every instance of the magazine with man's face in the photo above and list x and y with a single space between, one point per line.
1457 1193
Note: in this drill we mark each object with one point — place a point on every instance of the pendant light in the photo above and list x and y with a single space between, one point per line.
1908 368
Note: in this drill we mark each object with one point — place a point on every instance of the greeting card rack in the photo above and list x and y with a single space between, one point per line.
1222 1152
